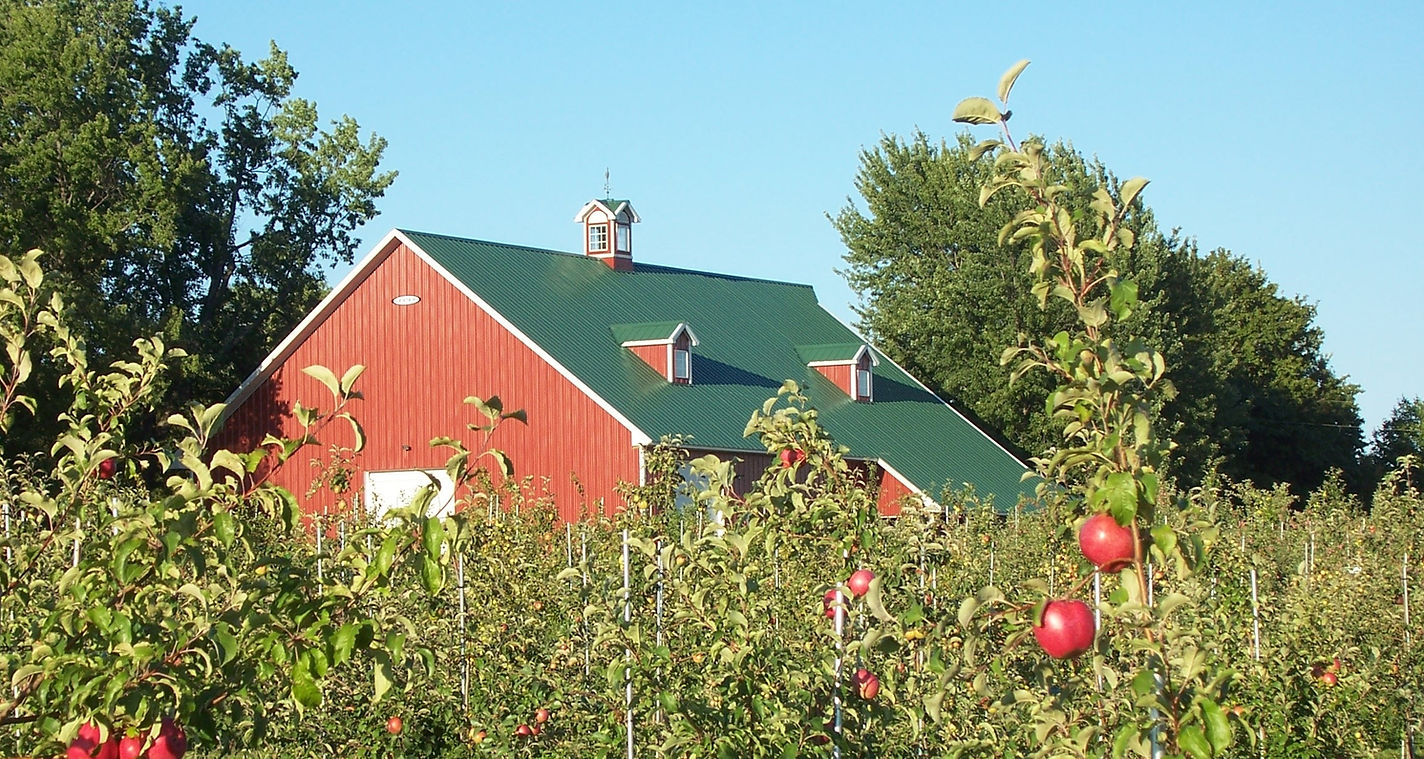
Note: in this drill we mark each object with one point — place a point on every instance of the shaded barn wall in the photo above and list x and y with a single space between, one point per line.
655 356
421 362
839 374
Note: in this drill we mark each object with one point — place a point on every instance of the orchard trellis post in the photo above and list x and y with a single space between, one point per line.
627 652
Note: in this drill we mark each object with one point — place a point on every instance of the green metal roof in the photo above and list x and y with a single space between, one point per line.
749 331
623 333
828 352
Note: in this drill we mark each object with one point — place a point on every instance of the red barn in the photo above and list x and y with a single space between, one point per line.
607 358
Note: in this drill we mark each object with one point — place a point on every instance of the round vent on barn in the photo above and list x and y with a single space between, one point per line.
406 300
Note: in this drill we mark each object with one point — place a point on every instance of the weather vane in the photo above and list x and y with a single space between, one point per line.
607 192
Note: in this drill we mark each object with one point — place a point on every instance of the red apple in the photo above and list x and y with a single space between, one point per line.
394 725
524 731
131 747
86 742
541 715
1106 543
1067 630
829 602
866 683
171 743
1330 678
859 582
792 456
108 468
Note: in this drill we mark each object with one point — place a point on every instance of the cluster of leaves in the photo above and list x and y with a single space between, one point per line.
140 579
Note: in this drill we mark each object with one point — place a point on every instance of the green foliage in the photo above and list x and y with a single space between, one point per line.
942 294
141 580
180 189
1400 435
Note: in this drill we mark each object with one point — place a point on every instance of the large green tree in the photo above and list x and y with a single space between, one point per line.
1256 398
1401 434
178 188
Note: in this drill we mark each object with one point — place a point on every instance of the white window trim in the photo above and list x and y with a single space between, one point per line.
603 241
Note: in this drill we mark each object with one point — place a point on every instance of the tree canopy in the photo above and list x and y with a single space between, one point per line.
179 188
1255 399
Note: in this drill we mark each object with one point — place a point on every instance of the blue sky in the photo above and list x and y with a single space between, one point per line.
1284 132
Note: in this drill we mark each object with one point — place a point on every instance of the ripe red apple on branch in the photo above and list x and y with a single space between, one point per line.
171 743
1067 629
829 600
86 742
1106 543
130 747
108 468
859 582
394 725
792 456
866 684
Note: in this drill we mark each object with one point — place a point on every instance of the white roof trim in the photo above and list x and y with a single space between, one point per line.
669 340
916 380
591 205
864 348
379 253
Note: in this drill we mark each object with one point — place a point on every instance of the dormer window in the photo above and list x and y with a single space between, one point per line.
666 347
863 383
848 366
681 365
597 238
613 247
625 239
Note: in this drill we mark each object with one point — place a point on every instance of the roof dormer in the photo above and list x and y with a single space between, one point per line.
665 346
608 231
849 366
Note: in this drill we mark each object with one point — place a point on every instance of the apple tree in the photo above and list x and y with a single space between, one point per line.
1165 695
151 580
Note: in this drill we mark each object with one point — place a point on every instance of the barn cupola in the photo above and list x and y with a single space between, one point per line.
608 231
664 346
849 366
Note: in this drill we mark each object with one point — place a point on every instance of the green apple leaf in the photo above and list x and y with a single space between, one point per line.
976 110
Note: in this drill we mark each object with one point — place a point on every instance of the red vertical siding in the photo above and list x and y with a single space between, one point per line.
655 356
891 491
837 373
421 362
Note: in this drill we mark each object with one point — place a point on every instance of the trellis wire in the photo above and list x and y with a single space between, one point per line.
9 555
76 542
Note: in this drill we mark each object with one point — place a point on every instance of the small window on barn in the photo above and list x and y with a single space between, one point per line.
682 366
597 238
863 379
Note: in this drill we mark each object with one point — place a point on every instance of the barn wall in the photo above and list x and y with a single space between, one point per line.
655 356
421 361
838 374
